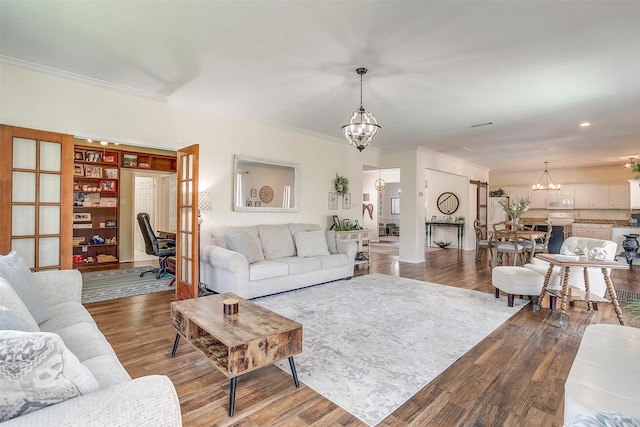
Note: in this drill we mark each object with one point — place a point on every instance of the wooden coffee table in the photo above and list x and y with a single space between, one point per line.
239 343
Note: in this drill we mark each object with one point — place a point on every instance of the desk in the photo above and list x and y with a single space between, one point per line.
565 265
460 225
171 235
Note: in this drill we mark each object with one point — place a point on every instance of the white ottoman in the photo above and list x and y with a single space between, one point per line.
516 281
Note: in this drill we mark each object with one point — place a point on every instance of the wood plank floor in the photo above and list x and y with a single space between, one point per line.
514 377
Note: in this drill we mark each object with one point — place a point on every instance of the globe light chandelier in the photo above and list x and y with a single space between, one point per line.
380 184
548 181
363 126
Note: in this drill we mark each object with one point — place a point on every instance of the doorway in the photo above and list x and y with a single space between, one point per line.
156 194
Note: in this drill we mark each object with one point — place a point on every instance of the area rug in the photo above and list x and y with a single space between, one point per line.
121 283
371 343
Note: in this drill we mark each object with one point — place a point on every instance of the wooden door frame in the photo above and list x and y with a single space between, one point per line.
187 230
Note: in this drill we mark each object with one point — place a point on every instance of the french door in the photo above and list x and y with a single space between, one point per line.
36 185
188 231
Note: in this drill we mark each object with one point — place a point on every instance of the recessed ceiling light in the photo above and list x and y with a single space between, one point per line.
584 124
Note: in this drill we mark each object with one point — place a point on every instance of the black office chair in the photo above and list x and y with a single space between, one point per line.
162 248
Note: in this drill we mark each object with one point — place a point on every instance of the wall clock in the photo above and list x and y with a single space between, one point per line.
448 203
266 194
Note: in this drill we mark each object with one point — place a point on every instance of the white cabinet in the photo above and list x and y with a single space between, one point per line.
634 193
516 193
593 231
566 191
591 196
538 199
619 196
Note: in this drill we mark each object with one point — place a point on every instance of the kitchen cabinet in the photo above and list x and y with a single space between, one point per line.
593 231
538 199
516 193
619 196
566 191
591 196
634 193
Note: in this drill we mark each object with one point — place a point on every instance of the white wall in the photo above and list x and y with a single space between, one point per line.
34 100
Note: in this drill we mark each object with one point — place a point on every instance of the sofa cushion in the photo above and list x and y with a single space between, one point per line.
300 265
311 243
37 370
10 299
267 270
332 246
277 241
85 341
246 244
107 370
66 314
17 273
333 261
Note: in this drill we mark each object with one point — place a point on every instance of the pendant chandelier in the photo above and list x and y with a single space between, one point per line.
631 163
380 184
363 126
548 181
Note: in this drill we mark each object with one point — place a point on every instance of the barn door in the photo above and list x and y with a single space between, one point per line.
187 233
36 194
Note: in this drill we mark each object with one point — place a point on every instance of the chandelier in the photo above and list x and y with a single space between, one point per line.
548 181
631 163
363 126
380 184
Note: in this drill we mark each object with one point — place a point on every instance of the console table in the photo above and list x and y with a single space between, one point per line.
359 236
459 225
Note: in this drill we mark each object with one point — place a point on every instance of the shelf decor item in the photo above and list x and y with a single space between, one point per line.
130 160
109 157
108 185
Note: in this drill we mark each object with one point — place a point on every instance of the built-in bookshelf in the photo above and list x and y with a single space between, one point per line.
95 207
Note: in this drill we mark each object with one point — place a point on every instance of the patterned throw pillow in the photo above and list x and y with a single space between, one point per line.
37 370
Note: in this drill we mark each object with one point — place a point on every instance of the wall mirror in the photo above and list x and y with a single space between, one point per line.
395 206
261 185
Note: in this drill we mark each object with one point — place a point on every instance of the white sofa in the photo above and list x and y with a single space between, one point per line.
604 378
260 260
576 274
92 387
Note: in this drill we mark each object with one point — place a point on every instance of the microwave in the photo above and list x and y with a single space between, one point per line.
554 202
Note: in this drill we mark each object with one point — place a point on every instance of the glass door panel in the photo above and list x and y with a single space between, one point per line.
50 156
24 153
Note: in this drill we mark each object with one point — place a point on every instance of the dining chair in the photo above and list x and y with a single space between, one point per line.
508 242
537 246
482 242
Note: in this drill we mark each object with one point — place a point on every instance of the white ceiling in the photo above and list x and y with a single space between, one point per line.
534 68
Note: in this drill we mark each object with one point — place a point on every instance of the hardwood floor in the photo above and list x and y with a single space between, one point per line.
514 377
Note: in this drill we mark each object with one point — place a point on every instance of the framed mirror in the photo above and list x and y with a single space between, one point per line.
261 185
395 206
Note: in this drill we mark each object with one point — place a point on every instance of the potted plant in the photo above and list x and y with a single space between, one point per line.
341 184
516 208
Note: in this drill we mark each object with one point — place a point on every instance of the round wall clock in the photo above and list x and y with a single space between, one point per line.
266 194
448 203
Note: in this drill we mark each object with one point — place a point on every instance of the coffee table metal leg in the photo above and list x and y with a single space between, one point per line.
293 372
175 345
232 395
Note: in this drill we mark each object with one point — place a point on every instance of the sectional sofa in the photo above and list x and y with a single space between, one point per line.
260 260
57 368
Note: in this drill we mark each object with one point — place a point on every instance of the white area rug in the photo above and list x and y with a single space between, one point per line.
371 343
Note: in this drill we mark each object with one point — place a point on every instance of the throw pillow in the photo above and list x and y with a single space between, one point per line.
276 241
37 370
10 320
331 242
15 271
10 299
247 244
311 243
